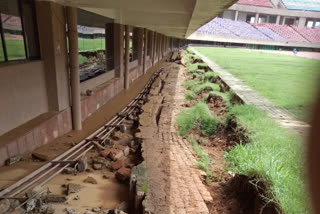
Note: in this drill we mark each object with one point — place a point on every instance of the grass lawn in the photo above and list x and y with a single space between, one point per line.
273 156
288 81
91 44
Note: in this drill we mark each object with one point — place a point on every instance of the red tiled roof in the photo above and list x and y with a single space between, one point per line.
261 3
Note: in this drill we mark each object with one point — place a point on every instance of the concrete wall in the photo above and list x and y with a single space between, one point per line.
242 16
23 94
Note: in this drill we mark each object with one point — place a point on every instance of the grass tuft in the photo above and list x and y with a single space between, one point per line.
189 95
197 89
199 116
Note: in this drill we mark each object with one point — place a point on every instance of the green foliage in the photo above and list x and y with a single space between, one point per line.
204 161
289 82
274 156
190 83
226 96
197 89
189 95
82 59
211 76
199 116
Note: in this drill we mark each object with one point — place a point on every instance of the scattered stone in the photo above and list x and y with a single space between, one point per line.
82 165
30 205
4 205
40 156
46 209
13 203
73 188
35 192
115 154
97 166
123 206
69 170
20 211
89 170
89 212
126 151
77 198
70 211
13 160
96 209
106 176
117 164
53 198
123 174
90 180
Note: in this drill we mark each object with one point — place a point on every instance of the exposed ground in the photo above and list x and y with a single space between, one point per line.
289 82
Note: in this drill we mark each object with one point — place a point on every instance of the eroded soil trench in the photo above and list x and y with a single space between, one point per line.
231 194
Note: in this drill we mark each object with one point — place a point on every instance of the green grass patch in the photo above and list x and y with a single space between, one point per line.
91 44
197 89
199 116
273 156
289 82
190 83
226 96
82 59
204 161
189 95
211 76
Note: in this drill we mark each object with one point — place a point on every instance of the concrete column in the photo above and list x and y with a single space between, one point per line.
283 21
118 49
302 21
110 43
135 43
278 19
126 59
154 47
256 19
145 52
159 47
140 49
74 67
54 53
171 43
236 15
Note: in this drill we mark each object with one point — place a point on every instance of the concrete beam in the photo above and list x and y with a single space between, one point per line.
74 67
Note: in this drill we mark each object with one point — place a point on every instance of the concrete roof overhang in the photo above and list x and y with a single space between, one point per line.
176 18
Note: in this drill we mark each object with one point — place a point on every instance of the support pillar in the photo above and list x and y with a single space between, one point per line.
145 52
126 59
302 21
159 47
154 47
109 46
74 67
278 19
236 15
140 49
118 49
256 19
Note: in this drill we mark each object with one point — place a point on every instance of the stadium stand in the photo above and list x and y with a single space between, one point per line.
260 3
309 5
264 31
311 34
213 27
241 29
271 34
286 32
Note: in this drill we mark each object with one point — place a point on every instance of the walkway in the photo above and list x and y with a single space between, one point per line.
249 96
174 183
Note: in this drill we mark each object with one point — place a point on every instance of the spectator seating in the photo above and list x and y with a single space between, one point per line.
311 34
286 32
